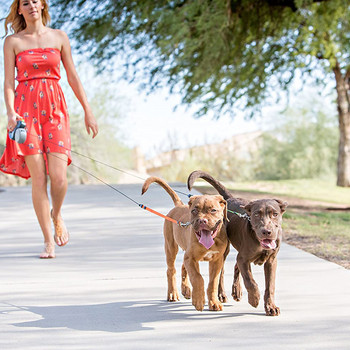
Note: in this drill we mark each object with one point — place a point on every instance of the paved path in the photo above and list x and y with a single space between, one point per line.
106 289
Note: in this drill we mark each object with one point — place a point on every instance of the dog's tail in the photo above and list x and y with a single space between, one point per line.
205 176
176 199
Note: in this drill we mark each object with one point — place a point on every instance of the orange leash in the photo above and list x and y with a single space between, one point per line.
165 217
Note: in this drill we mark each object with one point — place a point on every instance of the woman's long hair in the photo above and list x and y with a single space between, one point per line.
17 22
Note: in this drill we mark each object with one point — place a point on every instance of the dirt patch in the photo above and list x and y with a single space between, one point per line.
336 249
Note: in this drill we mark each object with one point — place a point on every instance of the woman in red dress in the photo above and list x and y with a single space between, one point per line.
35 51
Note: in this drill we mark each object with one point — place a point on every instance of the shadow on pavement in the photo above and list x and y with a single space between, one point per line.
119 317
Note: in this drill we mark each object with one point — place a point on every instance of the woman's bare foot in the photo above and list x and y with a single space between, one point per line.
61 236
49 251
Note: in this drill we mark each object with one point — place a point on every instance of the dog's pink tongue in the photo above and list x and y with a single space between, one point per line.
206 239
269 243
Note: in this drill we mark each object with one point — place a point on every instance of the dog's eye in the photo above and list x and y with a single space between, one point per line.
275 215
213 211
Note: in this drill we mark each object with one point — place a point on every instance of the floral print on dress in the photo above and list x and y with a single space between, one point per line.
40 100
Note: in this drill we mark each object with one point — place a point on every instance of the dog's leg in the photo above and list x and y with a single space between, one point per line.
215 266
221 292
250 284
236 286
171 249
270 276
185 283
198 294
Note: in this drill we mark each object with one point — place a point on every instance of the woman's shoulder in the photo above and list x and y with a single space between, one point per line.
11 40
12 37
58 33
14 40
59 37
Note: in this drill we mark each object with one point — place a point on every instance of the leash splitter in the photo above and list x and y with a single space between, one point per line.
19 133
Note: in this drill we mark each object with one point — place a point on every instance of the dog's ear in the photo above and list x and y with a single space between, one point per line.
225 211
191 200
223 202
248 208
282 205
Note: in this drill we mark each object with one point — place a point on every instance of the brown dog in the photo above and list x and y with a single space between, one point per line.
204 238
256 233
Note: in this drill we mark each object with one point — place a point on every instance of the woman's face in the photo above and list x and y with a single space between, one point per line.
30 9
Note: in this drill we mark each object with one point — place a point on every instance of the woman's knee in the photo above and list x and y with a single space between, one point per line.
39 180
58 180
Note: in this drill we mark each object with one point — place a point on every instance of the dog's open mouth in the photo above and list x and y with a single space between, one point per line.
206 237
268 243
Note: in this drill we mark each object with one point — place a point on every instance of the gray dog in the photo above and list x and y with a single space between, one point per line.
254 229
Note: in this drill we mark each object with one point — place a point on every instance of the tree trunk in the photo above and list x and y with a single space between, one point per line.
343 102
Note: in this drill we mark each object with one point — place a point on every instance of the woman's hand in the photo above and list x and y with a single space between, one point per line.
12 121
91 124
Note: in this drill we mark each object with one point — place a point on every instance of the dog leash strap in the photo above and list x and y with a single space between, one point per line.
159 214
181 224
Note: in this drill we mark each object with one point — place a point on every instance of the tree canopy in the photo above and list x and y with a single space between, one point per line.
222 55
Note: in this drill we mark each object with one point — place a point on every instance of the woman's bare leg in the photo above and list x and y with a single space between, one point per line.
41 204
57 164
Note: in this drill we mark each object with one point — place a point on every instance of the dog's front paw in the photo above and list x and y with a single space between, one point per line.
198 301
222 297
215 305
186 291
253 298
173 296
237 291
271 309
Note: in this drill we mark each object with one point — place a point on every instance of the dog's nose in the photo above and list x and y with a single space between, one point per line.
266 232
203 221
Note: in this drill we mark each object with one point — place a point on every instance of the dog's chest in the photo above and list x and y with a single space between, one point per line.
262 257
209 255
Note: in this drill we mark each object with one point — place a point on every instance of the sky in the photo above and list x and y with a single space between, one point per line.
154 124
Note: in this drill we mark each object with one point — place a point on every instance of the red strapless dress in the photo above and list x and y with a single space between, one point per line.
40 101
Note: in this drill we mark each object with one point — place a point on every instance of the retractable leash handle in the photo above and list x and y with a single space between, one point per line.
19 133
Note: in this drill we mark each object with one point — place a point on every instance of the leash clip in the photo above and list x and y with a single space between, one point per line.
243 216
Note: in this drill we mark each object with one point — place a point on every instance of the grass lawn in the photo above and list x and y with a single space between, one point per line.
317 190
324 233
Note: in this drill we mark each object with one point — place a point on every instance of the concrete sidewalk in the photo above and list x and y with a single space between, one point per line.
107 288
